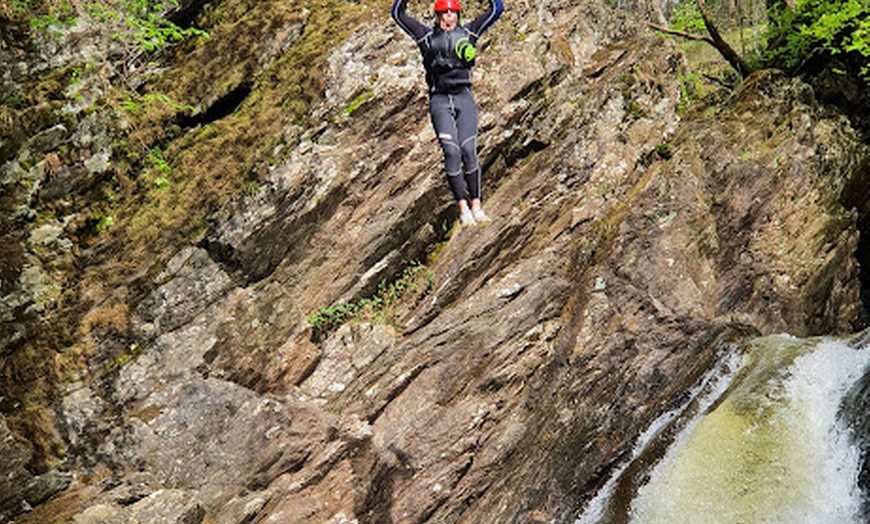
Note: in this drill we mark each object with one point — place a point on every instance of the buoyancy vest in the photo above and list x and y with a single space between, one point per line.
448 57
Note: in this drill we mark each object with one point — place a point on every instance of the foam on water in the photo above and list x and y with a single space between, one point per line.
772 452
704 395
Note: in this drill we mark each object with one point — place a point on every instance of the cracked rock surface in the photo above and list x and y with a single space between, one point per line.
632 244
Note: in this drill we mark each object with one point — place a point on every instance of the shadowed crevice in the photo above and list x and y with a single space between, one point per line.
221 108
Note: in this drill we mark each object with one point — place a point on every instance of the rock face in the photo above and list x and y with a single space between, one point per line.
632 241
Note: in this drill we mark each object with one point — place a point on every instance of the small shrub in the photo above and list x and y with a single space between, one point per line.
376 307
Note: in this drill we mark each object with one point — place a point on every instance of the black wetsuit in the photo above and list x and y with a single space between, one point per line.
448 63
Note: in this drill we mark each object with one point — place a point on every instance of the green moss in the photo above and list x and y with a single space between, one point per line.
665 150
359 100
377 307
218 161
141 220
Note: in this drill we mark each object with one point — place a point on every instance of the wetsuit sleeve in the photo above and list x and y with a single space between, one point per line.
409 24
486 19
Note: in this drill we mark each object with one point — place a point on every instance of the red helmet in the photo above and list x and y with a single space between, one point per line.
447 5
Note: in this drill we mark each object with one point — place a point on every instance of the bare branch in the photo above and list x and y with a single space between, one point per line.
715 39
727 52
681 34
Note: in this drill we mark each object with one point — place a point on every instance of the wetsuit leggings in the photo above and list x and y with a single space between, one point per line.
454 117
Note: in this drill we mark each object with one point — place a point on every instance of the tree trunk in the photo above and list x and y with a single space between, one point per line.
728 53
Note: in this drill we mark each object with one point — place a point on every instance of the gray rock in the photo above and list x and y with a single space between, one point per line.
47 140
193 281
14 476
45 486
215 438
169 506
85 416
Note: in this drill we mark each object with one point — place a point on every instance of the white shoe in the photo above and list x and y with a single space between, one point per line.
466 218
480 217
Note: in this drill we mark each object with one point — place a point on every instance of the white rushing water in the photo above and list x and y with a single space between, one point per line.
771 452
711 388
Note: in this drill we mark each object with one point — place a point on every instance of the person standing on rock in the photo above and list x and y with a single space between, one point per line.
448 55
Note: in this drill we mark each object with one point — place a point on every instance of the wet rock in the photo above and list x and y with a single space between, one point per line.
854 415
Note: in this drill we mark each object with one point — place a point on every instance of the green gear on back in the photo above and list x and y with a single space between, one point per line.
465 50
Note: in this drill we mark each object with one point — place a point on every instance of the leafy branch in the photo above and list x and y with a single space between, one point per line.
140 25
143 24
714 38
798 34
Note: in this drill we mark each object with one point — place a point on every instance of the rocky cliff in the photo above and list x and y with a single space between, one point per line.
295 330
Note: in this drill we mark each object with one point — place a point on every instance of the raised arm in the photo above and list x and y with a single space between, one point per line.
487 18
409 24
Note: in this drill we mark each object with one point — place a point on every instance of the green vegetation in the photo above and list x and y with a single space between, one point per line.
687 17
143 25
820 29
691 88
63 14
377 308
130 213
801 37
357 102
138 23
159 164
38 14
137 104
665 150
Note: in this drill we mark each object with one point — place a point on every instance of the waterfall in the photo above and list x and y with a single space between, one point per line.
763 444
